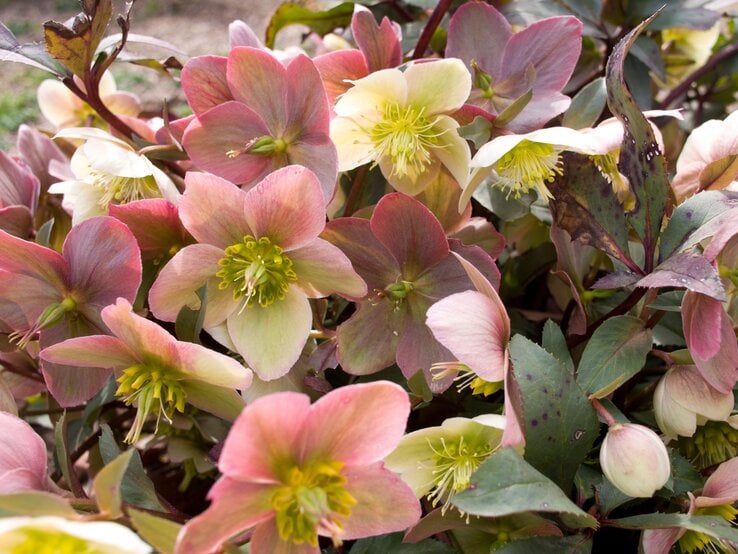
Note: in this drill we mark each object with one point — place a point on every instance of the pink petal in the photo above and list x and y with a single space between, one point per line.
266 540
29 258
92 351
722 484
240 34
271 339
104 261
322 269
287 207
225 128
17 220
306 99
542 108
367 342
357 424
380 44
265 433
73 385
478 32
18 186
20 448
139 334
395 508
204 83
259 80
207 196
24 299
338 67
660 541
410 231
21 480
318 153
39 151
236 507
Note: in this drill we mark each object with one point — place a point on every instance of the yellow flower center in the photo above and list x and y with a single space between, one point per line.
30 540
312 500
455 461
155 389
118 189
529 165
405 136
693 542
464 378
713 443
257 270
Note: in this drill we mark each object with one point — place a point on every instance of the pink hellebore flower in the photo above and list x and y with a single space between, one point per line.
19 191
59 296
254 115
261 259
23 457
155 371
506 64
293 472
717 498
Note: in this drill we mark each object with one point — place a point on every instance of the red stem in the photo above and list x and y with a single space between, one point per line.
430 28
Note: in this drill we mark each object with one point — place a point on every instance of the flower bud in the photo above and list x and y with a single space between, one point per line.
635 460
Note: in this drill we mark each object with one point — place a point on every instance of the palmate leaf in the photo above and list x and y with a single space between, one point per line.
641 160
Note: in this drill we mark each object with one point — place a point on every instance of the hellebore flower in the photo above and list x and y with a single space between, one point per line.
401 121
155 371
634 459
62 536
682 400
506 65
405 258
294 472
23 458
63 108
439 461
19 191
717 498
709 159
254 115
261 259
108 170
59 296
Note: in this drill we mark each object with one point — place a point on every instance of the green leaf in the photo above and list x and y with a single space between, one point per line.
32 54
43 236
505 484
514 109
576 544
713 526
560 423
158 532
107 485
586 206
616 352
641 160
189 321
321 22
35 503
555 343
684 476
62 454
392 544
587 105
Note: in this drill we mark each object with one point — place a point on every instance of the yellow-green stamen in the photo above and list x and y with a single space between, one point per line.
257 270
119 189
693 542
52 315
405 136
464 378
713 443
312 500
260 146
529 165
155 389
30 540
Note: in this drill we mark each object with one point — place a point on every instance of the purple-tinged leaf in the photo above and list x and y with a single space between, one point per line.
616 280
686 270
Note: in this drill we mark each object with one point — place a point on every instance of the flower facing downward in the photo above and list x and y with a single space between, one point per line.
635 460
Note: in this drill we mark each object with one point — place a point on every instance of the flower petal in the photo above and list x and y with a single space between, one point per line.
323 269
211 367
337 67
453 151
367 342
266 540
353 145
438 86
93 351
29 258
204 83
318 153
369 95
479 32
380 44
20 448
307 103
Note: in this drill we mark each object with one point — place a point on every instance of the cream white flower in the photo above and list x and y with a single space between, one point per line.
400 120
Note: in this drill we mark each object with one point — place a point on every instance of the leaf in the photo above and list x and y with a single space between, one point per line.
555 343
35 503
576 544
585 205
75 47
133 38
695 219
513 109
107 485
43 236
641 160
321 22
560 423
62 455
614 354
189 321
392 544
687 270
586 106
713 526
506 484
158 532
684 476
32 54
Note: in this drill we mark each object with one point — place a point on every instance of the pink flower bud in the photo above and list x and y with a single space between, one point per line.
635 460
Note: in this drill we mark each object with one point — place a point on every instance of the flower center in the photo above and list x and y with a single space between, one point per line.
312 500
52 315
455 462
155 389
692 541
257 270
529 165
713 443
464 378
405 135
260 146
119 189
30 540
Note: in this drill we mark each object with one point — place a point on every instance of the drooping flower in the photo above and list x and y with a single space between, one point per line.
51 534
108 170
634 459
23 458
506 65
19 191
438 462
58 296
156 372
405 258
293 472
261 259
254 115
401 121
718 498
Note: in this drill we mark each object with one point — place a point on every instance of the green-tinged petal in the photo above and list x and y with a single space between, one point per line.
213 368
223 402
138 333
453 151
322 269
365 101
353 143
438 86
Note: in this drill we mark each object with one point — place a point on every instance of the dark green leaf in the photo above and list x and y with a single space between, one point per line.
503 205
577 544
684 476
392 544
321 22
189 321
713 526
586 106
555 343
